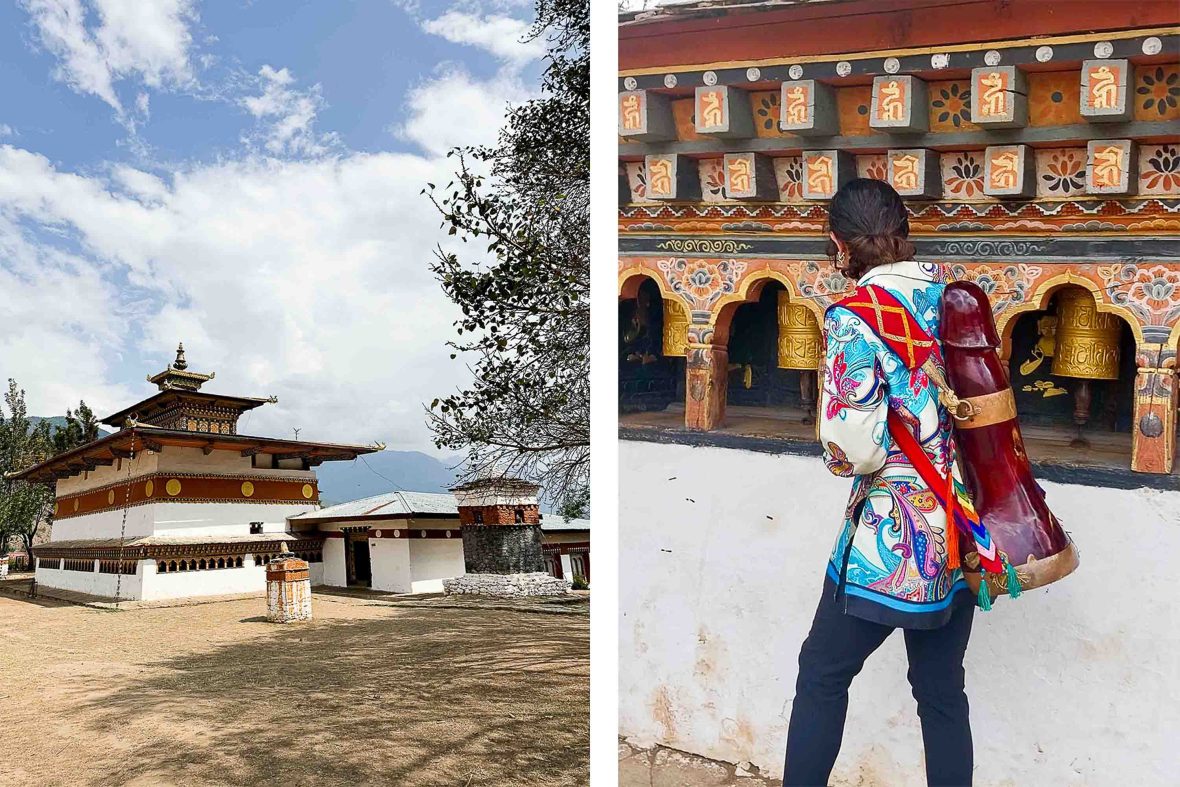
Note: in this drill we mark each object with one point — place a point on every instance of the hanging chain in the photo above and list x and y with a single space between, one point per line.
123 526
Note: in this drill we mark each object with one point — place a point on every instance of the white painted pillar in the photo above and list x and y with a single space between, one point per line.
567 568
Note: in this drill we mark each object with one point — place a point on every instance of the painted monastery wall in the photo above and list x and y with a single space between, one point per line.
718 591
143 463
179 519
564 538
334 572
432 561
92 582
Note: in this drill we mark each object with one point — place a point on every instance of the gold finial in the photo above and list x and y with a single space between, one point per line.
180 363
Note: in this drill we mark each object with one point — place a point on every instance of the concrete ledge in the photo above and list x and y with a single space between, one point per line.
1083 475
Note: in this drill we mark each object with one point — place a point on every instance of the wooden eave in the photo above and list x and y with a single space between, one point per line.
146 409
120 444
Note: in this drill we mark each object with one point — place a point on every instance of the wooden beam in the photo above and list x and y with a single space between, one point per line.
1058 135
120 453
249 451
152 445
207 448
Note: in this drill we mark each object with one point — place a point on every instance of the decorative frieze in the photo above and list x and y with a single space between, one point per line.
749 176
645 116
723 112
1009 171
899 105
915 173
825 171
671 177
1111 166
999 97
187 488
808 109
1104 85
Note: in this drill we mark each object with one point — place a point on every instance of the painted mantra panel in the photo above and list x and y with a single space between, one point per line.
188 488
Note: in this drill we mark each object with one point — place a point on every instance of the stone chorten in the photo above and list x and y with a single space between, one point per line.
501 525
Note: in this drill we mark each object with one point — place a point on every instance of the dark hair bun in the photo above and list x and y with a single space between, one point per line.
871 219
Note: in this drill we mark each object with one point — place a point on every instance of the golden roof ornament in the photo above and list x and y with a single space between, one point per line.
177 375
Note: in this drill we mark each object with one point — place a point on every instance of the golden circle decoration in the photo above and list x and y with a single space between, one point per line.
247 489
75 505
56 508
149 488
308 491
111 497
172 487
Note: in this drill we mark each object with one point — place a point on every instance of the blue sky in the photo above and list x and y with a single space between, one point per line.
244 176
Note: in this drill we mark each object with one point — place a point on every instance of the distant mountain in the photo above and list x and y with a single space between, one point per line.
59 422
385 471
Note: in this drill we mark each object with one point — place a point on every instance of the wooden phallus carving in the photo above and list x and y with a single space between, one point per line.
996 467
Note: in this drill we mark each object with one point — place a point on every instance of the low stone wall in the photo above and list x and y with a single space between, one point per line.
507 585
502 549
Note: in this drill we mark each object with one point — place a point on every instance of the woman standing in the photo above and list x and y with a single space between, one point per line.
889 568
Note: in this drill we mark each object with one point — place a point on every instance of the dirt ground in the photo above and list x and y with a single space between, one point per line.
367 693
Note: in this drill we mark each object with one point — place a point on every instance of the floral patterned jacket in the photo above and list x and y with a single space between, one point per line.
889 562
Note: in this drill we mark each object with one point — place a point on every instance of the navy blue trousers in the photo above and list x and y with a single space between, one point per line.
833 655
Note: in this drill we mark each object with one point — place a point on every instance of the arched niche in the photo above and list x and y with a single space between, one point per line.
651 363
1052 403
754 323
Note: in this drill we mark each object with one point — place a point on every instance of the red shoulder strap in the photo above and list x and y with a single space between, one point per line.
892 322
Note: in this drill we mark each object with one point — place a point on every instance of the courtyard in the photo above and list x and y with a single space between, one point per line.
373 691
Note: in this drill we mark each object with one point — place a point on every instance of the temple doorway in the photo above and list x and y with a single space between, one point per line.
360 565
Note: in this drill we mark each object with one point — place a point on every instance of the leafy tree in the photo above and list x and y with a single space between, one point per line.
525 304
81 428
24 507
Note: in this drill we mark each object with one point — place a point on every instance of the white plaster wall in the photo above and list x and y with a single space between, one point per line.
335 570
144 462
91 582
210 582
391 565
105 524
434 559
222 519
315 572
720 572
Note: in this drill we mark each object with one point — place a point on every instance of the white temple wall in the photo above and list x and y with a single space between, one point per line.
720 572
432 560
93 583
390 558
105 524
144 462
210 582
223 519
335 572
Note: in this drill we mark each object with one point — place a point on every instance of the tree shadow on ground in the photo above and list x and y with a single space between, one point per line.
420 697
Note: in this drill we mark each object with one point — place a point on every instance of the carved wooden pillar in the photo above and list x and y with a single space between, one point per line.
1153 446
707 375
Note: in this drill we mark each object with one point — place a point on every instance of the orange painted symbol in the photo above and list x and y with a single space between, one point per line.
712 114
1004 170
659 177
1104 89
890 102
993 99
1108 166
819 174
905 172
632 119
739 175
796 107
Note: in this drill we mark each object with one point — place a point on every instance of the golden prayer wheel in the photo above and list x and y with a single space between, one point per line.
800 343
1087 339
675 328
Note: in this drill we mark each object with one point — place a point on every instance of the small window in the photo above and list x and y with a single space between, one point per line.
255 528
520 516
478 515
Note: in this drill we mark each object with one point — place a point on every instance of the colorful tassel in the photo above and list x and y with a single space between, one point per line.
1013 580
953 559
985 596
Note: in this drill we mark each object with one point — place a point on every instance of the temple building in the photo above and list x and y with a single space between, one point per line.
409 542
1037 146
176 503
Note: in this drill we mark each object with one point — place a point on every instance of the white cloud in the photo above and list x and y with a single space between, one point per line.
500 35
101 42
7 130
286 115
433 106
304 279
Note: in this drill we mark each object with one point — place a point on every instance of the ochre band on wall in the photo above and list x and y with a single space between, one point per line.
182 488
